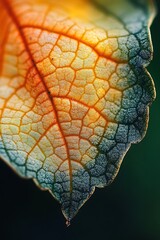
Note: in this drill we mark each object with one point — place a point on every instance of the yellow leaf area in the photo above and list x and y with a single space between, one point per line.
74 92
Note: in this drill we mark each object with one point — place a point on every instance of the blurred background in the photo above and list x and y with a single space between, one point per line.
128 209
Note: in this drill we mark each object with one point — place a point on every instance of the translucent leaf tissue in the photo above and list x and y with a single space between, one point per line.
74 91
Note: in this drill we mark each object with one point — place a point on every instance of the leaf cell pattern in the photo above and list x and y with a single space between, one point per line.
74 91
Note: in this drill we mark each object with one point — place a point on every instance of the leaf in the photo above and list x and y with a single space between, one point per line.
74 91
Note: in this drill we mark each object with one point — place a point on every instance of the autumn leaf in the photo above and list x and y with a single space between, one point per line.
74 91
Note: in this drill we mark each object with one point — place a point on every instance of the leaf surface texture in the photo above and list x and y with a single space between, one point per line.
74 91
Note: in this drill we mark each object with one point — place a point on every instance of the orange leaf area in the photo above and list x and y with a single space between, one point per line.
74 93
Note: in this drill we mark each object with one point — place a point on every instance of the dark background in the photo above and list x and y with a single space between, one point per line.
128 209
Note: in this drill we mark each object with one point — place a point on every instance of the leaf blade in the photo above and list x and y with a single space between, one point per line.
74 95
